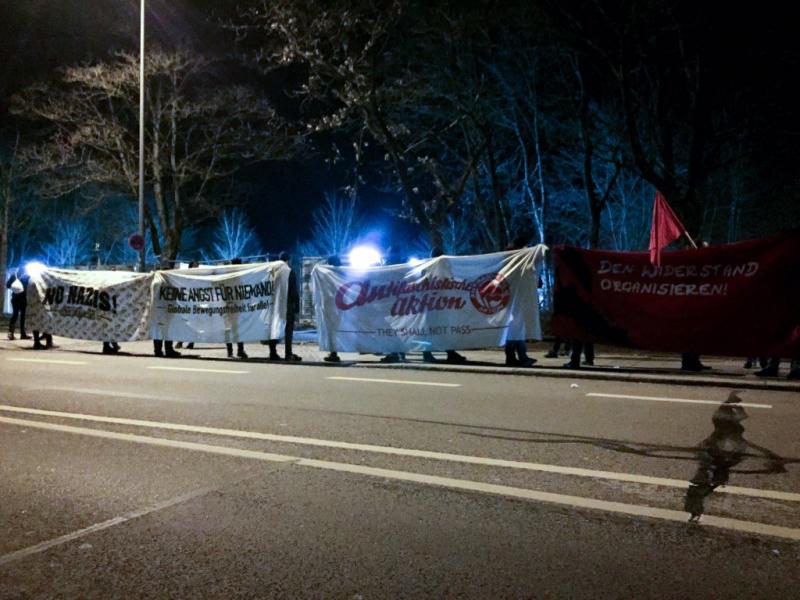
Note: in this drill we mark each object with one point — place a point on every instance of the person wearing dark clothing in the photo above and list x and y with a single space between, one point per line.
691 362
164 348
773 366
110 347
556 350
18 284
752 361
37 344
292 310
394 257
578 348
229 346
453 357
516 350
333 356
188 345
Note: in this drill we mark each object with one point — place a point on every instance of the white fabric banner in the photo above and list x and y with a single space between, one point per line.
445 303
90 305
234 303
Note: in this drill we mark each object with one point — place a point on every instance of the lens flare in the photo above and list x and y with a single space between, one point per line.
364 256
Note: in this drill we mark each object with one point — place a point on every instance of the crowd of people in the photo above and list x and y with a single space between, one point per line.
580 352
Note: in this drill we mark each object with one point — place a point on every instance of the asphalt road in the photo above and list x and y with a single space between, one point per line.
135 477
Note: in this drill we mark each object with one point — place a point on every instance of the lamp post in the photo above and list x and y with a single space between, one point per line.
141 135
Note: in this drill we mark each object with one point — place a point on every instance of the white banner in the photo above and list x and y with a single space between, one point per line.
446 303
89 305
234 303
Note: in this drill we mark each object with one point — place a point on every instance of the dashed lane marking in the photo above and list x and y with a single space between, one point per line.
432 480
399 381
50 361
679 400
63 539
196 370
407 452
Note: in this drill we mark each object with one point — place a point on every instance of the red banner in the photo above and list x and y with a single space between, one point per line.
737 300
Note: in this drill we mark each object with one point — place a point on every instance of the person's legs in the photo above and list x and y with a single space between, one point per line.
229 348
690 362
240 350
771 370
169 351
22 310
428 357
794 372
575 356
158 347
454 357
521 348
553 353
511 358
273 350
13 322
588 352
332 357
287 342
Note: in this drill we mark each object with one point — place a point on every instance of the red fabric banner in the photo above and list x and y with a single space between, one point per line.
665 228
739 299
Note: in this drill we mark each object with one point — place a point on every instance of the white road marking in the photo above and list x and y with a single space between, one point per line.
99 392
50 361
400 381
46 545
444 482
195 370
425 454
680 400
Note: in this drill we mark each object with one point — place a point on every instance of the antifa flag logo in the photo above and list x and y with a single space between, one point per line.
490 293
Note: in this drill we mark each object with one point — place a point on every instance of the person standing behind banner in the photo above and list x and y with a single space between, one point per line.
164 347
333 356
239 345
517 350
394 257
18 284
292 310
453 357
188 345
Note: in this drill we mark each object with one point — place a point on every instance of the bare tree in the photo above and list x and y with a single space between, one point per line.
336 226
199 128
70 245
233 237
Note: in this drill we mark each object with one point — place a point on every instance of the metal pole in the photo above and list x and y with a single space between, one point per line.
141 136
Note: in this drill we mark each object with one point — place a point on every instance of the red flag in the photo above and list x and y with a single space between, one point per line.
665 229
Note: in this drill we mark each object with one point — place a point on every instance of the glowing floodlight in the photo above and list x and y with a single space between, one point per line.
414 261
35 268
364 256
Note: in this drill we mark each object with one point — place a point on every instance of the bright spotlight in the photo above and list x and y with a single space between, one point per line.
35 268
414 261
364 256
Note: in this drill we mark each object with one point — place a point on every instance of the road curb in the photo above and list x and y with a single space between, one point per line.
583 373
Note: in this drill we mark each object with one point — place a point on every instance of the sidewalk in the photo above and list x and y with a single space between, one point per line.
611 364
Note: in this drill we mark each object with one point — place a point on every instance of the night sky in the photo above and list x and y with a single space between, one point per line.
758 50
